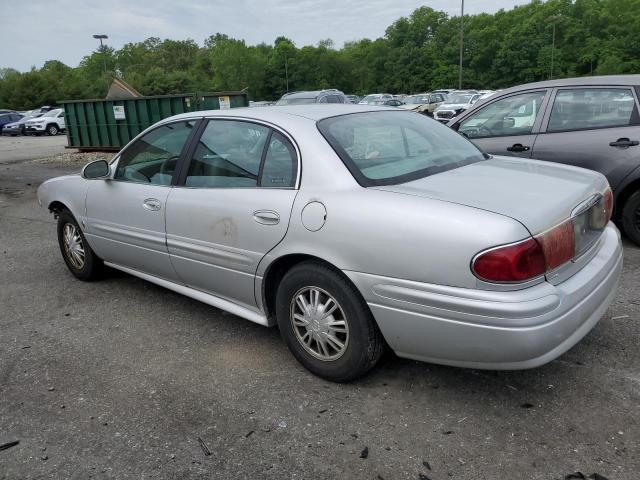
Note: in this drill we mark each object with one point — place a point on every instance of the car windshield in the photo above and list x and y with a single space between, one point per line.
417 99
296 101
386 148
457 98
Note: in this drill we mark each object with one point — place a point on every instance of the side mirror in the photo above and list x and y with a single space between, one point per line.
96 169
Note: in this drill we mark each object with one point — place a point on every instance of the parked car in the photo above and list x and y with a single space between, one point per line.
51 123
353 98
376 99
590 122
394 102
8 118
4 110
445 91
455 104
319 96
18 127
494 263
424 103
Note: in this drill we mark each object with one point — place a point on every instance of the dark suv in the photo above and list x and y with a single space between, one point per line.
590 122
317 96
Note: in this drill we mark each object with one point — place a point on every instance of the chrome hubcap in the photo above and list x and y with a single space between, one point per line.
319 323
73 246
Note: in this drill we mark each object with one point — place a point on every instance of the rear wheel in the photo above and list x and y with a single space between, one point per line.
52 129
326 324
82 262
631 217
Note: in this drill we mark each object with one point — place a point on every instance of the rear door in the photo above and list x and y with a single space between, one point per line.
232 206
592 127
507 125
126 213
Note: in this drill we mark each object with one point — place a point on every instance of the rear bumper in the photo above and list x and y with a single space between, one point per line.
494 330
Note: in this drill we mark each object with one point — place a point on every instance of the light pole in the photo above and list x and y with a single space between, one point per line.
461 43
104 60
553 19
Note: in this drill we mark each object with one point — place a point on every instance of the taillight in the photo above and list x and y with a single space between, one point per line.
558 244
512 263
547 251
608 203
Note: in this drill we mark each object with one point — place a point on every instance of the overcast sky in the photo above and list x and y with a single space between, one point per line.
34 31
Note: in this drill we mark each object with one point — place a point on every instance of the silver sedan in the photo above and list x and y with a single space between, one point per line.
353 228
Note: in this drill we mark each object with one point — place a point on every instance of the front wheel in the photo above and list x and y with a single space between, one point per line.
52 130
631 217
82 262
326 324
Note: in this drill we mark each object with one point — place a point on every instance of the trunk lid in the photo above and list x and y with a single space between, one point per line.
538 194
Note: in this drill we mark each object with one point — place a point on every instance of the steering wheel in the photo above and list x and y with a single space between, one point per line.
484 131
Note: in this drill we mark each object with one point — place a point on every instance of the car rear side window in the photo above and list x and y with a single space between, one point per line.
589 108
228 155
280 163
153 157
385 148
241 154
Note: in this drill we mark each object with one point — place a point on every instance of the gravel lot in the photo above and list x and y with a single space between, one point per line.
123 379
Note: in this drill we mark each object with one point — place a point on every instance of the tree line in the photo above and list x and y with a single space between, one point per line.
417 53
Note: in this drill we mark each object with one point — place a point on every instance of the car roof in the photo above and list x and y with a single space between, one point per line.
622 80
311 93
313 112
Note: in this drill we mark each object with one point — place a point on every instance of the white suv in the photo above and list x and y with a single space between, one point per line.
50 123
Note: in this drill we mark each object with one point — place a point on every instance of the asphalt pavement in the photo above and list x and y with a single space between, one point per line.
16 149
123 379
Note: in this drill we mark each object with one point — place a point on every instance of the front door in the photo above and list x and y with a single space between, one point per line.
506 126
125 214
596 128
232 207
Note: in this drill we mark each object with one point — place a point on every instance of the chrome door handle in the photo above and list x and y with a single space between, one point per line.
152 204
266 217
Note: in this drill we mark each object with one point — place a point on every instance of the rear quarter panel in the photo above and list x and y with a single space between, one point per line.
396 235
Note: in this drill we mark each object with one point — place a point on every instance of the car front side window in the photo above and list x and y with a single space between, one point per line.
589 108
153 157
514 115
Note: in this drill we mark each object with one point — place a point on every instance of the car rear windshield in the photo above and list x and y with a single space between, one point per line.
458 99
387 147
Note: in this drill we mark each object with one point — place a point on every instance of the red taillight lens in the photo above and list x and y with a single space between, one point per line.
608 203
511 263
558 244
529 258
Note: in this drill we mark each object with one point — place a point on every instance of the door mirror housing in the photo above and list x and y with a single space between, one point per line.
95 170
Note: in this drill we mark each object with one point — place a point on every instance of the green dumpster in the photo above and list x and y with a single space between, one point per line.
111 124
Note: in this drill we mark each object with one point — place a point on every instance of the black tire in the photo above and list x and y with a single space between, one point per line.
91 267
52 130
364 344
631 217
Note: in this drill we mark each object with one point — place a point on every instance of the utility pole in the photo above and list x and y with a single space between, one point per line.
553 19
461 43
286 70
104 59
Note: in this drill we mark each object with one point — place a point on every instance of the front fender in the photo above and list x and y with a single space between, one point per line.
68 190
